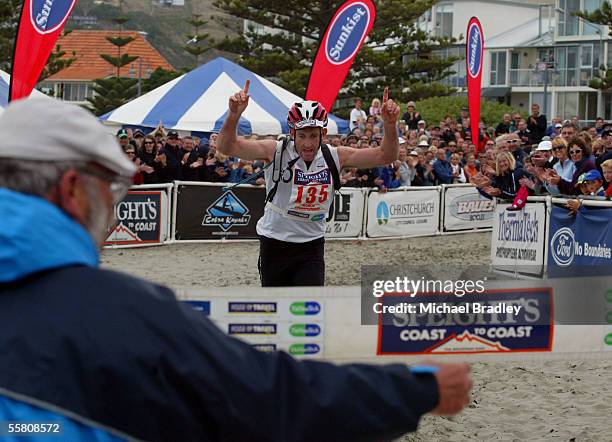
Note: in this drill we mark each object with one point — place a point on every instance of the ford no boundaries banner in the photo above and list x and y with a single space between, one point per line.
474 57
39 27
342 40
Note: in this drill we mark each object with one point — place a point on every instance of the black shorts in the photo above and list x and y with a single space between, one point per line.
287 264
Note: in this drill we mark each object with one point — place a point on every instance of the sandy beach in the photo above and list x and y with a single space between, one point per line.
530 401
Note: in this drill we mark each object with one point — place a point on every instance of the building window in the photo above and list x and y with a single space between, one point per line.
569 24
444 20
459 77
498 68
75 91
567 104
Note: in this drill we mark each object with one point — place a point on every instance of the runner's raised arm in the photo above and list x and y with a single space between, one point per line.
229 144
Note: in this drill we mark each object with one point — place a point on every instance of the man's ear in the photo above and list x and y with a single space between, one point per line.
292 133
323 132
72 197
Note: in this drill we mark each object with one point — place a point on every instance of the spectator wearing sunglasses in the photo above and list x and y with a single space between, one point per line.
148 156
514 146
579 154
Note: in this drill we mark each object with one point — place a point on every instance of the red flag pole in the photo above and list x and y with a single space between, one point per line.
474 46
40 25
344 36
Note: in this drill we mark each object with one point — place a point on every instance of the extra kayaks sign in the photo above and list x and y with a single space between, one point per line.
347 31
489 322
49 15
475 48
227 211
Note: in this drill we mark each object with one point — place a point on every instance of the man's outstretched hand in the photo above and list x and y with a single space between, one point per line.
454 386
240 100
390 110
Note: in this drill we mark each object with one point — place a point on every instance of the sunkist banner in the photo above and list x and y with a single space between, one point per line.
474 56
39 27
343 38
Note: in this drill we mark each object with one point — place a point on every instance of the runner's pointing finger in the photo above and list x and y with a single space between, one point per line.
246 86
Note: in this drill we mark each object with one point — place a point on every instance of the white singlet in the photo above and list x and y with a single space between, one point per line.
298 211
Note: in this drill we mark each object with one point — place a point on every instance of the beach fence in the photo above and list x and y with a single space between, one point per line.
203 212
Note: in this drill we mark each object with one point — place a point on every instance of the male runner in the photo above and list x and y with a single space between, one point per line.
300 193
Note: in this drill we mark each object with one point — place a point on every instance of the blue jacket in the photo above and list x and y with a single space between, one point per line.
123 352
443 172
388 176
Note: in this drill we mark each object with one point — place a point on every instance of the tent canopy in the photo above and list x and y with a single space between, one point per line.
198 101
5 81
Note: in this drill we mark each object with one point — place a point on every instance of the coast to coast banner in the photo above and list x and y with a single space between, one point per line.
343 38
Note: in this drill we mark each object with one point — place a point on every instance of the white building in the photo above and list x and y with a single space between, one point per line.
522 37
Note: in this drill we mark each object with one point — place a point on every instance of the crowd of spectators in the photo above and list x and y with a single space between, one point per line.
560 159
162 157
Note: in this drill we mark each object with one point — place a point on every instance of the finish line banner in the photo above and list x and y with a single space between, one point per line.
343 38
325 323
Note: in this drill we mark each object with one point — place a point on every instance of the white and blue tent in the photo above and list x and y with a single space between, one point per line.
198 100
5 81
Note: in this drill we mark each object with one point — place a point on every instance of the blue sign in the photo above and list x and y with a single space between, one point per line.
382 213
227 211
475 47
489 322
49 15
346 32
580 245
200 306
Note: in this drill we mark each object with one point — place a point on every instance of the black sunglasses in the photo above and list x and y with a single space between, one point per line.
557 148
575 152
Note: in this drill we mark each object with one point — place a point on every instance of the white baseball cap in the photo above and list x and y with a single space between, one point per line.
421 122
423 143
544 145
37 129
401 140
414 153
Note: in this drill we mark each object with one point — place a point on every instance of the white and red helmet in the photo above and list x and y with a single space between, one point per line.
307 114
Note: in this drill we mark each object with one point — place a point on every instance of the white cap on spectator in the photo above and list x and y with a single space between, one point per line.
544 145
401 140
423 143
421 122
36 129
414 153
558 126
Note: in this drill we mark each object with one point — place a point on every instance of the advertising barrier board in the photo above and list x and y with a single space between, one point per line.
142 218
580 244
214 212
403 213
465 208
517 242
347 221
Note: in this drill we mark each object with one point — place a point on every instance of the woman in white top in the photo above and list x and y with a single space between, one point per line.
455 161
